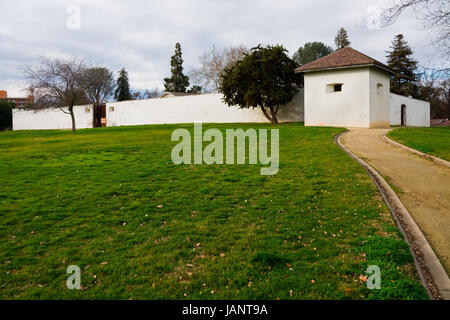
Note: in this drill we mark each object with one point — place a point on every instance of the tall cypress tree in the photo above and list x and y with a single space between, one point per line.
404 81
178 82
122 91
341 39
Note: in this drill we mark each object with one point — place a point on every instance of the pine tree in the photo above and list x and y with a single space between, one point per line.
178 82
122 92
341 39
404 81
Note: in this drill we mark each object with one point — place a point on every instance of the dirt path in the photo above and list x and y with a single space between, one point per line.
422 185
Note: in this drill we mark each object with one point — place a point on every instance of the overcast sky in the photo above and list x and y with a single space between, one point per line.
141 35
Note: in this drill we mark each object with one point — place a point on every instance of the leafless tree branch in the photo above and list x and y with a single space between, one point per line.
57 83
435 15
213 62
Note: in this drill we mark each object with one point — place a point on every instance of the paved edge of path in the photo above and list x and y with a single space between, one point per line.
417 152
431 272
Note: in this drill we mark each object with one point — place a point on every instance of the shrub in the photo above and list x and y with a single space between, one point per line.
6 115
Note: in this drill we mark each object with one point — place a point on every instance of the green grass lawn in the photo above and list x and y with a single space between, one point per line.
111 201
434 141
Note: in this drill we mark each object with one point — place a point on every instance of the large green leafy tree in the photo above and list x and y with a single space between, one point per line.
264 79
6 115
178 81
122 92
341 39
404 81
311 51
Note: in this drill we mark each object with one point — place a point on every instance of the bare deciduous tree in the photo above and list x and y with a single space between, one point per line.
57 83
213 62
434 87
154 93
98 83
146 94
434 13
137 95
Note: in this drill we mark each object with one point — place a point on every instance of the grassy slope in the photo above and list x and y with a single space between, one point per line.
434 141
223 231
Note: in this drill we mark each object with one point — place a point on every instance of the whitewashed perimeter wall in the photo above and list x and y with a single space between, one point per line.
51 118
206 108
417 111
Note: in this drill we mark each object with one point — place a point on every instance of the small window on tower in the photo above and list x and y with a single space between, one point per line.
337 87
379 88
333 87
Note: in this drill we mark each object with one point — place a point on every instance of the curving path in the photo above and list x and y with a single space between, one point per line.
422 185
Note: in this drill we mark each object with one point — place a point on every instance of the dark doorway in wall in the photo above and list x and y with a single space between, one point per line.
99 115
403 115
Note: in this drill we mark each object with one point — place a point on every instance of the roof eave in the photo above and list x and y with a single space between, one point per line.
346 67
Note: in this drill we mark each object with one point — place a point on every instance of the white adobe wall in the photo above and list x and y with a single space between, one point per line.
206 108
379 91
294 111
51 118
348 108
417 111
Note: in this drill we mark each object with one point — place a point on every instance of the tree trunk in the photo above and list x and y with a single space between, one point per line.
273 113
72 116
266 114
272 117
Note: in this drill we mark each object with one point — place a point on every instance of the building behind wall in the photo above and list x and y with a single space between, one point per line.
20 102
